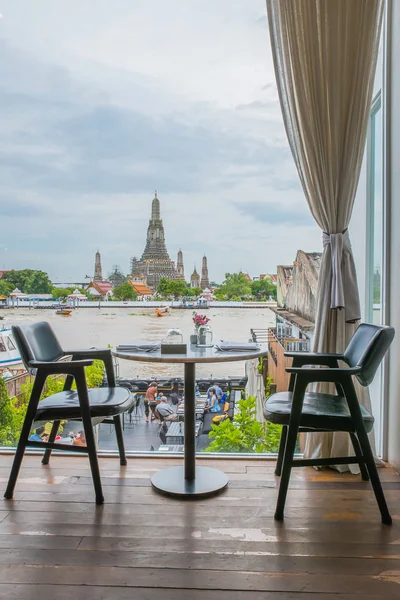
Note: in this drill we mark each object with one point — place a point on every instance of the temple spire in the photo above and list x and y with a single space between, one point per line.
155 208
205 282
98 276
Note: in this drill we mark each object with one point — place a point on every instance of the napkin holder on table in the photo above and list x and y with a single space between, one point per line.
173 348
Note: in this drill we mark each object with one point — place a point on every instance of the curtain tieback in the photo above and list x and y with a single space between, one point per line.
344 288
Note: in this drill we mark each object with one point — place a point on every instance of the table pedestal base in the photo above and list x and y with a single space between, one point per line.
172 482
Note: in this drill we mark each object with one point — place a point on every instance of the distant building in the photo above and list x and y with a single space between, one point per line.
100 289
155 262
284 280
195 279
97 268
116 276
295 315
140 288
204 282
179 266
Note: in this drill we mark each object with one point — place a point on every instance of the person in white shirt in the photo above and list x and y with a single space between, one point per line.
165 411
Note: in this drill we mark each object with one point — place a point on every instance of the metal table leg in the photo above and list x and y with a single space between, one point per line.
188 481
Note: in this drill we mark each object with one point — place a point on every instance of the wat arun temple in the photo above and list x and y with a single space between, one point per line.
155 261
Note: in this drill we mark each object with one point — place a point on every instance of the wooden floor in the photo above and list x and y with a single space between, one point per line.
57 544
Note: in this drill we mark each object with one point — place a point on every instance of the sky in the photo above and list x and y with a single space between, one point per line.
104 102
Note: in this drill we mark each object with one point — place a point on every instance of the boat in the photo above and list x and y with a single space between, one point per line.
198 304
64 311
9 354
162 312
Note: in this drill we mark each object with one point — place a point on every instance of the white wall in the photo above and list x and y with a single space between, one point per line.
394 291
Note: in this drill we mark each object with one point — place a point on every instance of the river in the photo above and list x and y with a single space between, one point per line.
88 327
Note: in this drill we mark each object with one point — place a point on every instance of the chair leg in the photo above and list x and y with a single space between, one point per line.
367 453
373 473
52 437
286 470
26 428
359 454
90 441
281 453
120 439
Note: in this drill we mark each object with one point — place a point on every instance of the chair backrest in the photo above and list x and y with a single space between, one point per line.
37 341
367 349
162 432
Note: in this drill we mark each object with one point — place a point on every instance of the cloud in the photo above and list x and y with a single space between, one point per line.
273 214
101 107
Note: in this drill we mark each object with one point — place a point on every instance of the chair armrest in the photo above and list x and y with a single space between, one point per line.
103 354
314 358
312 355
60 367
93 353
330 375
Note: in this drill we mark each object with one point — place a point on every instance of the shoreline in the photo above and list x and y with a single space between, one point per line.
139 304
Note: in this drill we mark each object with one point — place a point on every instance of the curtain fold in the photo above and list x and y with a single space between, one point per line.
325 55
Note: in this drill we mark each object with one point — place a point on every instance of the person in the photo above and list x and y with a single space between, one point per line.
6 373
150 401
39 435
219 393
213 405
80 439
165 411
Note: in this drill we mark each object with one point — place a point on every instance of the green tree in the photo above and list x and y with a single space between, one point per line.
244 433
125 292
235 284
264 288
172 287
5 288
29 281
61 293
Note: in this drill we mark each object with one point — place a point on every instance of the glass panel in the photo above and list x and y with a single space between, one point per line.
375 253
10 343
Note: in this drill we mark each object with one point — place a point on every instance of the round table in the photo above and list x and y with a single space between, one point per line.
187 480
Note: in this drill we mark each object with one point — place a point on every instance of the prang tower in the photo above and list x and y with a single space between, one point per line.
205 282
155 262
97 268
179 266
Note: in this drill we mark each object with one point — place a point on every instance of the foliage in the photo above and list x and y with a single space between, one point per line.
235 284
29 281
5 288
11 417
12 410
125 292
172 287
63 293
244 433
200 320
264 288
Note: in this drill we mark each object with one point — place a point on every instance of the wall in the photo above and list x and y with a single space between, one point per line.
394 220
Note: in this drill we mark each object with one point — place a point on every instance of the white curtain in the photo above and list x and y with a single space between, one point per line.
325 55
255 387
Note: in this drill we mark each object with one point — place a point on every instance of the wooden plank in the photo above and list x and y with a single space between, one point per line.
188 517
66 592
202 561
111 577
375 533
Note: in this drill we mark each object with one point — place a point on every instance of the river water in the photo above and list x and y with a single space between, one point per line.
88 327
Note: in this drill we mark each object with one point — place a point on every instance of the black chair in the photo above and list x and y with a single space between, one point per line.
162 432
299 411
40 350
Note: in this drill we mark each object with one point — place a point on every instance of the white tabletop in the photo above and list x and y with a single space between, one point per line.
194 354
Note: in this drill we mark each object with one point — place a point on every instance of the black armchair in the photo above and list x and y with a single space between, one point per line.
40 350
301 411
